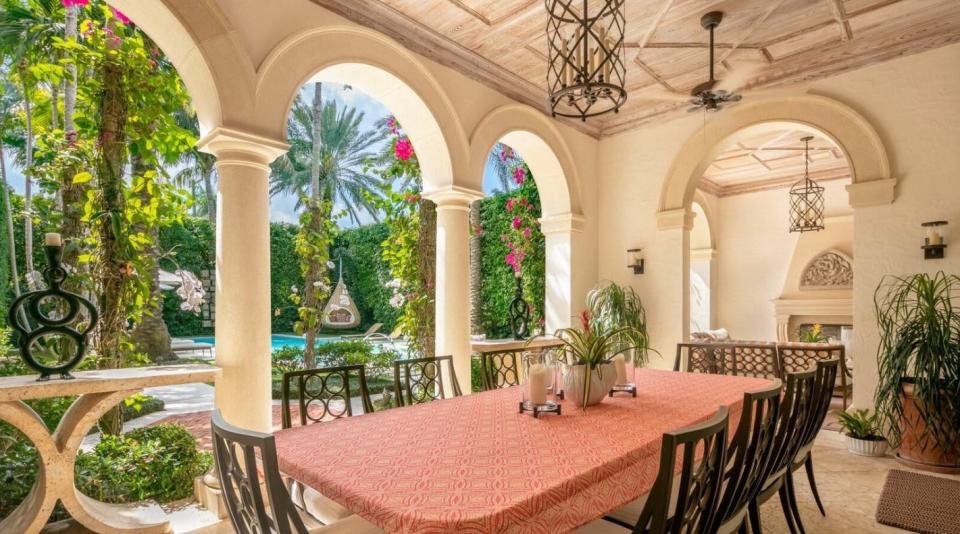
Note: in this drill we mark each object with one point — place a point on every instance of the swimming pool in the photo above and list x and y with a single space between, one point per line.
278 341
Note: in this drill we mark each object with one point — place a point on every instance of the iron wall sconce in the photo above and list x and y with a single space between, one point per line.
934 240
635 260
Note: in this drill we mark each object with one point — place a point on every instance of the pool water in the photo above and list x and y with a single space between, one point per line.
278 341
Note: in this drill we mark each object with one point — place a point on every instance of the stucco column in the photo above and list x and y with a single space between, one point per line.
243 275
562 288
453 278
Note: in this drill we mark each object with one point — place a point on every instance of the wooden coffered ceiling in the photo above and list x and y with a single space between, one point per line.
502 43
772 160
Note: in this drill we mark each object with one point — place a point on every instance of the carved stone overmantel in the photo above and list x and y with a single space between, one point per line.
830 269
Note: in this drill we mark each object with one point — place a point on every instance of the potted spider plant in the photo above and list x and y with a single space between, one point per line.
918 394
862 433
613 306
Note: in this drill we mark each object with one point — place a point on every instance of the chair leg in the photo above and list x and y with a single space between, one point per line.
792 497
754 516
808 463
787 512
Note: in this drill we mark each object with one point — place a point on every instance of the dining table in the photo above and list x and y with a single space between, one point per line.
475 464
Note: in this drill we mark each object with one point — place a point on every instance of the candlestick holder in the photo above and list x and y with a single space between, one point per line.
538 384
624 388
54 310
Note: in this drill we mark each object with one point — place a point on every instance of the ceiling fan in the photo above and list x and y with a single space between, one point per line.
709 95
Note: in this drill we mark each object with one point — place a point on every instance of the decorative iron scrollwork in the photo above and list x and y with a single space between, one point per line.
54 310
519 314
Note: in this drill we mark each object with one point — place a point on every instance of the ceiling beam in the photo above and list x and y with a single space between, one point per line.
653 74
752 28
840 15
647 35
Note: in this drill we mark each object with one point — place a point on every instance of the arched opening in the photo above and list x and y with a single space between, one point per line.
702 268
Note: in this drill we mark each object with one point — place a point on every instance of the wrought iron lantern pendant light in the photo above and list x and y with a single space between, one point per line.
806 198
586 70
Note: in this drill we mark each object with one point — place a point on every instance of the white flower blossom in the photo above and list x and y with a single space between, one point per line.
395 283
319 284
191 291
330 264
34 280
294 290
397 300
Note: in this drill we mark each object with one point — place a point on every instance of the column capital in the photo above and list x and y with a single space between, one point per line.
562 223
453 197
872 192
241 148
675 219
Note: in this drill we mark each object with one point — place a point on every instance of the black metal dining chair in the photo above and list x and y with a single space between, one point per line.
323 394
749 454
804 356
760 360
796 410
421 379
246 468
686 493
500 369
824 382
697 358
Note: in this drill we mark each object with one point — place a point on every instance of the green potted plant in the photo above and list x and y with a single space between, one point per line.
862 433
813 334
918 392
588 357
613 306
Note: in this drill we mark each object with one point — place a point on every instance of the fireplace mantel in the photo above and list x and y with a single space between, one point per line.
786 308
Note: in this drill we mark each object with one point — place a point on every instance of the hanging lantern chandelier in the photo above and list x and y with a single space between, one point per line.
806 198
586 70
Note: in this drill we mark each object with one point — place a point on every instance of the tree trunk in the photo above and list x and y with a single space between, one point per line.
28 184
314 272
427 259
111 270
151 336
72 195
14 274
475 269
207 163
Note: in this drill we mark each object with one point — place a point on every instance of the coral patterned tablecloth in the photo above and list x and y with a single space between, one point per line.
473 464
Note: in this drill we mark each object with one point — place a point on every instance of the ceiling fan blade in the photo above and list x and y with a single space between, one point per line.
740 75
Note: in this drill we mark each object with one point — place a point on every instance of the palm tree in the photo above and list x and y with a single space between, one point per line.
333 167
198 167
502 159
27 33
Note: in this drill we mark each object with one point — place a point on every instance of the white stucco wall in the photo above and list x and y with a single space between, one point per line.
914 105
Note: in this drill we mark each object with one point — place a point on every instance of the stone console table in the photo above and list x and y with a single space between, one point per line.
98 391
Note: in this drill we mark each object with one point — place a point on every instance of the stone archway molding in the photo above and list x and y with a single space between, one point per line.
869 165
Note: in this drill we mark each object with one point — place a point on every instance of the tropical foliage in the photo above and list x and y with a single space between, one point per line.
859 424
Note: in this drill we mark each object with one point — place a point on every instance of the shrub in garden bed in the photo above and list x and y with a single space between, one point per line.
352 352
157 462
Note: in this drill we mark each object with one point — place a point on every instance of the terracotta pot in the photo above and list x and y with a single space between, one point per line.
599 387
917 450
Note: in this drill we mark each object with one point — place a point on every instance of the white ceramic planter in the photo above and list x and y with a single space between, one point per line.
599 388
866 447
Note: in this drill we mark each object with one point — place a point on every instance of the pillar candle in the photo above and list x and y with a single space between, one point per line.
53 240
936 238
621 365
539 381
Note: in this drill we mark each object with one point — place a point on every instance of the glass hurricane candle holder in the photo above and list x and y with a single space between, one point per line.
626 367
538 384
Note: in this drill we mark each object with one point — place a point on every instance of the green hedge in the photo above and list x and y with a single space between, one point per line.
365 273
497 281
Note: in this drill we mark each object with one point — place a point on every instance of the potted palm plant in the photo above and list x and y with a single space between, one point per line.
613 324
862 433
918 394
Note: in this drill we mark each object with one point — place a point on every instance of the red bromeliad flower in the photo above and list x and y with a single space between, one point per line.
585 320
403 150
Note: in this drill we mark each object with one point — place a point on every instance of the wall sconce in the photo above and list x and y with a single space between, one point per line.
635 260
934 239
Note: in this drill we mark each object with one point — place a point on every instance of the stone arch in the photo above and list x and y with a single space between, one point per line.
709 218
860 142
173 29
534 137
386 71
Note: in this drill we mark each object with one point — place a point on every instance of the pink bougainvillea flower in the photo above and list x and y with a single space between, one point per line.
411 198
120 16
403 150
517 223
509 204
519 175
71 3
526 232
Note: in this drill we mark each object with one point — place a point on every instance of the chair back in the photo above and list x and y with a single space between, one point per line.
796 357
795 413
699 479
751 449
236 452
700 358
748 359
823 384
500 369
323 393
421 379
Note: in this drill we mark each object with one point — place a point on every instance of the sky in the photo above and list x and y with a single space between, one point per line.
283 207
